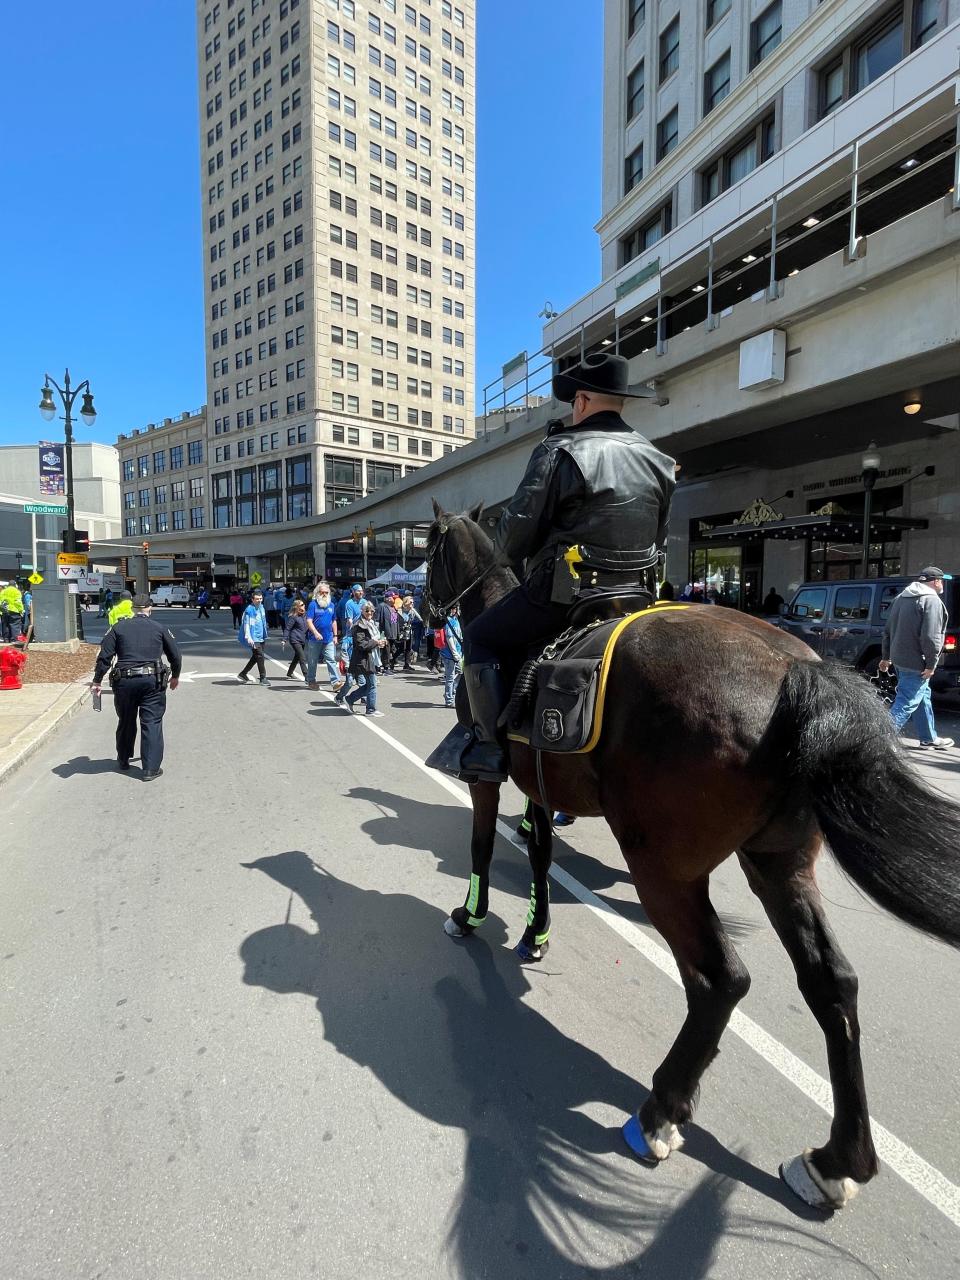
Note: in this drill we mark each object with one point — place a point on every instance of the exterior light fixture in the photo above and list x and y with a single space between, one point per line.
606 342
748 258
811 221
646 319
699 288
48 410
910 163
794 272
87 412
913 405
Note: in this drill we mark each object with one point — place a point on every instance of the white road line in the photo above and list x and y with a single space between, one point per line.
927 1181
194 635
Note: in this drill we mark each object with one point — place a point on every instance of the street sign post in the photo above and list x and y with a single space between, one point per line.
44 509
70 572
80 559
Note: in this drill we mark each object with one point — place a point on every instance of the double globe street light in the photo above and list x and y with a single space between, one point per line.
88 415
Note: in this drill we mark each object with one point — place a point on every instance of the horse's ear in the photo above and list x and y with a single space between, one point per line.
437 509
476 512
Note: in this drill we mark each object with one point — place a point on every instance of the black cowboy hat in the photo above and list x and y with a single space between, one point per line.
603 373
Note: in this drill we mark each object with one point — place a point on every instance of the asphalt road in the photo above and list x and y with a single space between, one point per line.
236 1041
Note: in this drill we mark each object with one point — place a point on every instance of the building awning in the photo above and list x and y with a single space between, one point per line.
833 528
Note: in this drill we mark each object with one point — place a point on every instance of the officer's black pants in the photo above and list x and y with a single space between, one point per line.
511 627
140 695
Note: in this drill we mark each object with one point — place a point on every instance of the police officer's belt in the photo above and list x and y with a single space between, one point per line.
124 673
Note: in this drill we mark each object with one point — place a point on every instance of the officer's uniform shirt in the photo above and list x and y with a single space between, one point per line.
136 642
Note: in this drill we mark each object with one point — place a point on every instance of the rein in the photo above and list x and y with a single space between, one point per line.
433 604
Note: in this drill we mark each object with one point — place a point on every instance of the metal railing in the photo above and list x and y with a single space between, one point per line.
754 268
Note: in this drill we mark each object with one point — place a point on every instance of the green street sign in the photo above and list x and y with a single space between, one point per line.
43 509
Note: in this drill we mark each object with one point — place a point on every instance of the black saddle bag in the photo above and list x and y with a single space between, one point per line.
566 695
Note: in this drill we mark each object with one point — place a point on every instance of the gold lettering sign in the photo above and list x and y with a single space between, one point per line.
759 512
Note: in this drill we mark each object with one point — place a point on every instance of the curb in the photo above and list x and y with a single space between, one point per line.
12 757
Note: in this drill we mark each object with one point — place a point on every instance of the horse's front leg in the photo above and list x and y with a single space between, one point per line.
485 797
534 943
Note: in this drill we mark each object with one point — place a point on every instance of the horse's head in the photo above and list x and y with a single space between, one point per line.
458 551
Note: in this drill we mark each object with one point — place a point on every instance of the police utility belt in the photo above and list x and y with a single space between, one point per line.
126 671
584 568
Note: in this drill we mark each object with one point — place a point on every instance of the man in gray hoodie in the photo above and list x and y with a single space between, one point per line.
913 642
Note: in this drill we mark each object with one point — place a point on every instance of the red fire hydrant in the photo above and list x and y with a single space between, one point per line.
11 664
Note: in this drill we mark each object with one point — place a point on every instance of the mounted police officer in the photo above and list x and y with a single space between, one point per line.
591 513
140 682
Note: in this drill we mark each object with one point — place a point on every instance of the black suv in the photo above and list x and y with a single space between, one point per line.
845 620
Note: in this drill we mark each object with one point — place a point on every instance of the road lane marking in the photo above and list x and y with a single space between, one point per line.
916 1172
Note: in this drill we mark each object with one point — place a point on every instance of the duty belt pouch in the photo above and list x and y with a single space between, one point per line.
566 698
163 677
565 585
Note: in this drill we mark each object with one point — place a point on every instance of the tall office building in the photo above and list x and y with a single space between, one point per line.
338 216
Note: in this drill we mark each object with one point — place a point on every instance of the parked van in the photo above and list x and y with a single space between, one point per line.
170 594
845 620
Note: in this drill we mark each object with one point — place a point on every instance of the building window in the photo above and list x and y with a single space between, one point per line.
196 517
144 497
646 234
159 461
633 169
670 49
715 11
876 51
130 526
636 12
716 83
765 33
178 519
176 457
635 91
196 487
195 452
128 470
668 131
750 150
143 466
162 522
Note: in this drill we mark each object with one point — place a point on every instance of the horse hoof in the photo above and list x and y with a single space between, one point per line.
531 955
802 1177
453 930
651 1148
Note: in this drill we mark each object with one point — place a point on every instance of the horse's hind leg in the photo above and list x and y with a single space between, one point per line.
714 979
485 797
534 943
831 1175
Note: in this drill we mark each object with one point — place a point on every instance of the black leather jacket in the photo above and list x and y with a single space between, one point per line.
600 485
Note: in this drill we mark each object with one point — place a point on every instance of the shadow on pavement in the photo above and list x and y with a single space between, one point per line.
85 765
542 1186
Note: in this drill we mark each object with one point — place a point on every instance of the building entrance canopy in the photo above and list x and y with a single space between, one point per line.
836 528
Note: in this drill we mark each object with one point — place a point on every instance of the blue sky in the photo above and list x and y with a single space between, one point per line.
100 219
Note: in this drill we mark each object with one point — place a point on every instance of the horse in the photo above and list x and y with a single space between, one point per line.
766 751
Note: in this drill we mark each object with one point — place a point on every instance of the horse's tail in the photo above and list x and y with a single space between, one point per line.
896 838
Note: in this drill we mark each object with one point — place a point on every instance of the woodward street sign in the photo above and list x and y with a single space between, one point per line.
44 509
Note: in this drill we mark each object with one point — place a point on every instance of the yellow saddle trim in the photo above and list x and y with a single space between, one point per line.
605 662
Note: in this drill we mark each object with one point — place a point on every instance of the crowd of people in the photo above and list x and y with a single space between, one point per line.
358 641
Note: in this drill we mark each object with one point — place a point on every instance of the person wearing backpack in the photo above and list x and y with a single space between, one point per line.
252 634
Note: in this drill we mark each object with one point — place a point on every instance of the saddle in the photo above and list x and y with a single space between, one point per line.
558 697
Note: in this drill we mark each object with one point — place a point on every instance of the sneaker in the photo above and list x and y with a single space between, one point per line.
265 682
244 679
339 699
938 744
563 819
377 714
337 686
313 685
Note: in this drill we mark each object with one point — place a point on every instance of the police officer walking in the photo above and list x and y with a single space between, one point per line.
140 681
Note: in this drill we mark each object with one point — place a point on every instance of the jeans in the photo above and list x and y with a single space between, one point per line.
451 677
317 649
913 700
368 692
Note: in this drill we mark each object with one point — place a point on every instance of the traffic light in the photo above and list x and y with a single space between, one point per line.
145 546
81 539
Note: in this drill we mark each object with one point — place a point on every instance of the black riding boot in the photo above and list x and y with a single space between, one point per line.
488 696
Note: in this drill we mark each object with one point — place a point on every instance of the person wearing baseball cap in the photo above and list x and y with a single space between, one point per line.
913 640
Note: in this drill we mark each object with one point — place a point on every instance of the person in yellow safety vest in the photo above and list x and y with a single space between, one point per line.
122 609
11 611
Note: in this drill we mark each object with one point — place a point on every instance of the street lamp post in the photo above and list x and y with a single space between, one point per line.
870 472
88 414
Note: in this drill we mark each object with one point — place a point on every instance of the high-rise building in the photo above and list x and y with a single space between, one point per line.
337 154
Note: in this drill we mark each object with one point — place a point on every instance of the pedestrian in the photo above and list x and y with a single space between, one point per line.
352 605
236 606
452 656
407 618
203 599
283 602
140 681
295 634
666 591
106 603
321 628
253 634
269 606
11 611
366 659
913 640
387 622
772 603
122 609
27 612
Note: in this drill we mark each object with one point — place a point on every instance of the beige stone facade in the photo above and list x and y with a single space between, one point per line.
338 204
164 477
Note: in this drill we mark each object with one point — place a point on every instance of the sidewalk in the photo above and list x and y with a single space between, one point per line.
29 715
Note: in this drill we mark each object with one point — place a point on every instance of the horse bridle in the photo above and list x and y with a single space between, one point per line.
435 606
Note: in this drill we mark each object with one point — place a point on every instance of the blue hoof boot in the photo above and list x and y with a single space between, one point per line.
633 1137
530 955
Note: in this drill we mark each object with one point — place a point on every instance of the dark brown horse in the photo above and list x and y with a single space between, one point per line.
765 751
